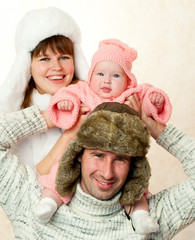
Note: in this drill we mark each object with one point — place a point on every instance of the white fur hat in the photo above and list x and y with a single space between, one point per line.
36 26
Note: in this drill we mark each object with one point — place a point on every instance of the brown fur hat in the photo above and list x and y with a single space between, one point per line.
111 127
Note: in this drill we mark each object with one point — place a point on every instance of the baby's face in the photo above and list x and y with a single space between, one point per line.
108 80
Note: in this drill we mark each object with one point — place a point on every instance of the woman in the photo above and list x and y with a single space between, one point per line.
48 57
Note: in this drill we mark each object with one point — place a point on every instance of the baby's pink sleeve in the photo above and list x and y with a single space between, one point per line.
151 110
64 119
48 181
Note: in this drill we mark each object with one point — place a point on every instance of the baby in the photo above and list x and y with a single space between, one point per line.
109 79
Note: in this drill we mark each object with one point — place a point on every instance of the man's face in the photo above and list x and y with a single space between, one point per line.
103 173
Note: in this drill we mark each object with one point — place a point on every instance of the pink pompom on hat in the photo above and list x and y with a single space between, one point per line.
116 51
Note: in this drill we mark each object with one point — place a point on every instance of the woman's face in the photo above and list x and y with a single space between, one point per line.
52 71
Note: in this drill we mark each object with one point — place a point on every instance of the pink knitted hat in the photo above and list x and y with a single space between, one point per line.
116 51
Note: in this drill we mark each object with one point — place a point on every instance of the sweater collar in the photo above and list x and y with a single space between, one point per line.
85 204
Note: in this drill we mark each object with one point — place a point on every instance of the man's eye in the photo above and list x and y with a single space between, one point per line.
98 155
121 159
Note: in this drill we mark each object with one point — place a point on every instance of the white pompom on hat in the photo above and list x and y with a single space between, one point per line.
116 51
34 27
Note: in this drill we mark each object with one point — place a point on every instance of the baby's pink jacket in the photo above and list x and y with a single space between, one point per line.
81 93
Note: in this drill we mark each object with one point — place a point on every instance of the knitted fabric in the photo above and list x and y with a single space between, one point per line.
34 27
20 193
115 51
81 93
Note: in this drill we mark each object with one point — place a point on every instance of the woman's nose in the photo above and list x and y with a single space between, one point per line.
57 65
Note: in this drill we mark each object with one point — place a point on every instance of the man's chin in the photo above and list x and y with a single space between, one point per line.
103 197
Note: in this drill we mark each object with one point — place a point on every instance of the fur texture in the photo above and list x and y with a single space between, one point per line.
34 27
111 127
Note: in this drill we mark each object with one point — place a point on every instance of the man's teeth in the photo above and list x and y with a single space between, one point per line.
104 183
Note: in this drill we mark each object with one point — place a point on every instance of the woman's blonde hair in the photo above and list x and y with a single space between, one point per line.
56 43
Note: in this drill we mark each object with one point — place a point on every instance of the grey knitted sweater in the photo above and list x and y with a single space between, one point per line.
86 217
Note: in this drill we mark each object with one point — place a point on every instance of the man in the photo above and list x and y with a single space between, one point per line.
95 211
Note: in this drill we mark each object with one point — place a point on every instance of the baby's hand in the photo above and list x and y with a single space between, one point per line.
65 105
158 100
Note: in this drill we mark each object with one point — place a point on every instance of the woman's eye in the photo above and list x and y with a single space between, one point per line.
64 57
44 59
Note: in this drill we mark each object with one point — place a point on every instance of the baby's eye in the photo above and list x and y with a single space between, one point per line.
116 75
100 74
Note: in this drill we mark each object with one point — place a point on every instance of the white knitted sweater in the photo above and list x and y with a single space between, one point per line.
87 217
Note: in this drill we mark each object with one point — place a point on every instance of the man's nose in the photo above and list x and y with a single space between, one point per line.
107 169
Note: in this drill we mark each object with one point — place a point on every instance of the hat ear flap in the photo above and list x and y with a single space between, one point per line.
81 65
12 90
137 181
69 170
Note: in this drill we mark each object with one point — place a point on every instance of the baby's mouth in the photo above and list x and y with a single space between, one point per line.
106 89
